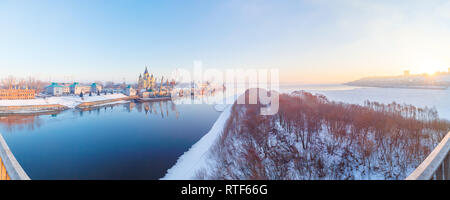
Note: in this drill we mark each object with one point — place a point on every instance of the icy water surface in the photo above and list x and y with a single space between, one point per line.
439 99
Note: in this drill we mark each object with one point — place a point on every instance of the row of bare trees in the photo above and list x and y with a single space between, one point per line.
12 82
314 138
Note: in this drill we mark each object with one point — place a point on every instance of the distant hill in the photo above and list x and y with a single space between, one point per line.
423 81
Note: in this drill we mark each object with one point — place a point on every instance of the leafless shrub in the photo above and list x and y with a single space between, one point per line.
314 138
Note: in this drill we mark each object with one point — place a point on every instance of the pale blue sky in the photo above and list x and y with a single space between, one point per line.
310 41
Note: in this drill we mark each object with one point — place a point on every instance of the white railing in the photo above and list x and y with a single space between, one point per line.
10 169
437 165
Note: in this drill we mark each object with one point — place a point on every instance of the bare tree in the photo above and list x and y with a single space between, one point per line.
355 141
12 82
9 82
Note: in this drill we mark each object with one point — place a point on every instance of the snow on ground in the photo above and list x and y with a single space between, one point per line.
110 103
196 157
69 101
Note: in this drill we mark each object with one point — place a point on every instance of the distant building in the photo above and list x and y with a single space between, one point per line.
55 89
96 88
76 88
147 81
406 73
147 86
147 94
129 91
66 88
13 94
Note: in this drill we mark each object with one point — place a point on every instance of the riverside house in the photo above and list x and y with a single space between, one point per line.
55 89
76 88
96 88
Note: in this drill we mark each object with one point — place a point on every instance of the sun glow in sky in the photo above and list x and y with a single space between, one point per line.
429 70
429 67
309 41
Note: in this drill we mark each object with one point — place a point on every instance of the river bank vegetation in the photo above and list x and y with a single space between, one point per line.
312 137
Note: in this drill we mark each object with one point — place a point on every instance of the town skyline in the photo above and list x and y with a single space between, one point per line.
135 80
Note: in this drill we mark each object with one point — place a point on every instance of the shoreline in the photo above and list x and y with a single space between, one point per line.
196 157
74 103
30 109
102 102
51 108
400 87
141 100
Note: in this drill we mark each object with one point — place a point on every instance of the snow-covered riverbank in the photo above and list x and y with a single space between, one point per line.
196 157
68 101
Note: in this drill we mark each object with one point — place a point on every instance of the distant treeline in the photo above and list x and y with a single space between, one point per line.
312 137
12 82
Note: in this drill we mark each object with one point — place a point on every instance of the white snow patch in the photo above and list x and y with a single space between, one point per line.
69 101
110 103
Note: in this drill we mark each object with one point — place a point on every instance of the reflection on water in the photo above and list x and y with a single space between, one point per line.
123 141
20 122
161 108
31 121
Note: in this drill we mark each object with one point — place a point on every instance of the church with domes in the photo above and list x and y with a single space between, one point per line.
146 81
